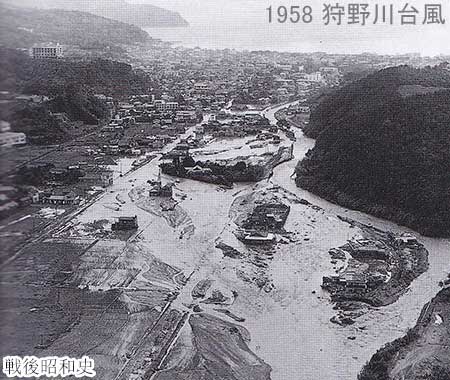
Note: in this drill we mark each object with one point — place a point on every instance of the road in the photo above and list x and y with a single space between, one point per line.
51 229
296 272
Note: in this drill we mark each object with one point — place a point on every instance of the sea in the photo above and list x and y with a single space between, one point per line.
244 25
223 37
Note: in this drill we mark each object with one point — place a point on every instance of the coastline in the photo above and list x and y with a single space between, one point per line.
145 287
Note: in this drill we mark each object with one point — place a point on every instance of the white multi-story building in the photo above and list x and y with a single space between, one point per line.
314 77
163 106
8 139
202 87
48 51
185 116
171 106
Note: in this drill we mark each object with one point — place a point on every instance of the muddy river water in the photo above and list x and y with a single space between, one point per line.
290 325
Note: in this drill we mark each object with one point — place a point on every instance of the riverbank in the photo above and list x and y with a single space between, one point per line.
366 153
327 190
423 353
376 326
272 296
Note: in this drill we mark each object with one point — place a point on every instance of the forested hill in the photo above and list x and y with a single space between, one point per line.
383 147
377 89
23 27
141 15
70 86
21 74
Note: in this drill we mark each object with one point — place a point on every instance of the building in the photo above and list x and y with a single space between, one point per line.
181 150
314 77
32 98
8 139
48 51
304 109
160 190
199 171
98 176
284 66
353 280
258 237
186 116
405 239
268 216
202 87
330 70
125 223
163 106
56 197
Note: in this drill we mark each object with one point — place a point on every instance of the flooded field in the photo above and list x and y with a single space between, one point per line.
143 312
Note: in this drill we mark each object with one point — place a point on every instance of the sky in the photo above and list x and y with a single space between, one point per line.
235 22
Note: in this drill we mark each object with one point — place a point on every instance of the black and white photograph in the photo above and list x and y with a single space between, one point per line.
225 189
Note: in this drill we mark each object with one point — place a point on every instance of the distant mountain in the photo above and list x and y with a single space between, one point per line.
383 147
22 27
142 15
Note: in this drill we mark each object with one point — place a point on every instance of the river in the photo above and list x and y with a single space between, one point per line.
289 327
383 324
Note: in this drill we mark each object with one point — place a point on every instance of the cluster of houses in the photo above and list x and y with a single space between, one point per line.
11 198
210 79
125 223
268 217
56 197
64 185
357 278
263 222
237 126
144 123
352 279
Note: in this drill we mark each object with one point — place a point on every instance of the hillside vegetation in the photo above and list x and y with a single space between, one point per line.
21 74
423 353
142 15
383 147
23 27
70 86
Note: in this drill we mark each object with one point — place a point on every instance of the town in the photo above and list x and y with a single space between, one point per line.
150 215
192 91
